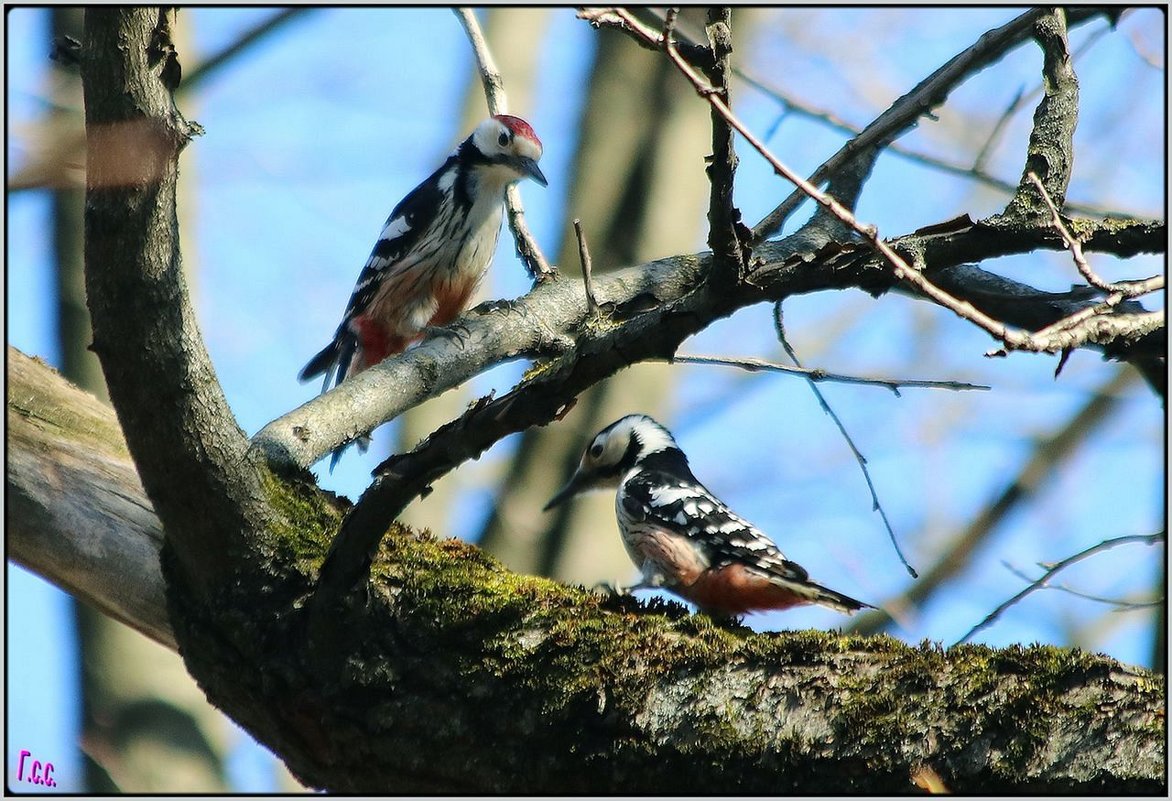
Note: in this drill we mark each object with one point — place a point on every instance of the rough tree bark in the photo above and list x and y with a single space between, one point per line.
451 674
139 705
461 676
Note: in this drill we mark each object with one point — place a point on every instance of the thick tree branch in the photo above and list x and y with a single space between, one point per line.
543 323
77 512
180 430
453 653
1050 152
726 233
552 318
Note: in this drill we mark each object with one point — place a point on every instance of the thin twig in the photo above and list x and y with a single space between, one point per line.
587 278
903 271
498 103
1047 454
976 172
998 127
817 374
1146 539
1122 605
1128 289
669 23
862 460
904 111
494 87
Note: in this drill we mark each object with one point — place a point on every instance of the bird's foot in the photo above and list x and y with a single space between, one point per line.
609 589
457 332
502 306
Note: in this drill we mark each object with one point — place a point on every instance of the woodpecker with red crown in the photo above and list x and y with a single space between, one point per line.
681 536
432 253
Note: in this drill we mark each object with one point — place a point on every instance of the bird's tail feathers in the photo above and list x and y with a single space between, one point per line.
835 600
325 358
333 360
362 442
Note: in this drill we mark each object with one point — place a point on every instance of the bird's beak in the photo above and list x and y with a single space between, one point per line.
527 166
575 485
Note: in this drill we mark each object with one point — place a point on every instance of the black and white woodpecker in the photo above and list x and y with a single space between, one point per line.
681 536
433 251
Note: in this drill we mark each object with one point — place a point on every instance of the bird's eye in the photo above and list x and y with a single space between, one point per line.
596 450
503 139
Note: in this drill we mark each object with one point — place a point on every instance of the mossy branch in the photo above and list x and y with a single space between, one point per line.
459 676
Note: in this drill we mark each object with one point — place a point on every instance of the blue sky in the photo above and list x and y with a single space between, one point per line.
315 134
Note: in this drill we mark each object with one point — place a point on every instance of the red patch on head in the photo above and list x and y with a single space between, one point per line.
518 126
734 590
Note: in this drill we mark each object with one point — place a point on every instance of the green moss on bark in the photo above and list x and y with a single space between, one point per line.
511 675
